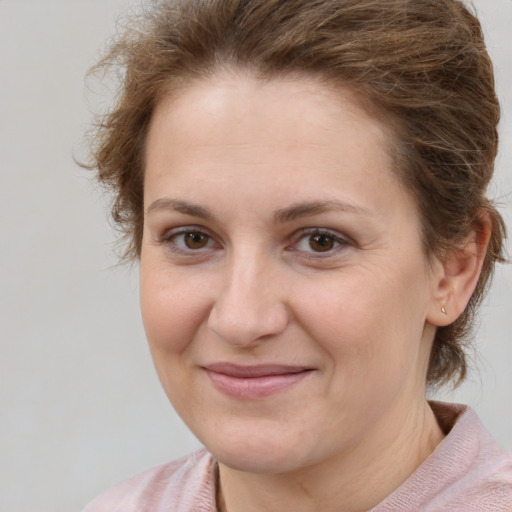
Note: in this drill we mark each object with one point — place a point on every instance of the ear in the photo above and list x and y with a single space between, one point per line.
456 275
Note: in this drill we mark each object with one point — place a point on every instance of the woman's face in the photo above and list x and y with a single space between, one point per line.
285 293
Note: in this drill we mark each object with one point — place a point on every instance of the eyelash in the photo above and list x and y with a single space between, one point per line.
169 239
339 242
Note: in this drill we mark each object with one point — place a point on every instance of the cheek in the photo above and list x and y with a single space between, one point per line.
170 312
172 317
338 317
364 321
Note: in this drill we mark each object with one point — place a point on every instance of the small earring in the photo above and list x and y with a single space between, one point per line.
443 310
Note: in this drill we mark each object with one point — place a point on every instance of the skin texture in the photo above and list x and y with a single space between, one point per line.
340 287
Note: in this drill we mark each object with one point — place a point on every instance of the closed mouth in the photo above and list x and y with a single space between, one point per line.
254 381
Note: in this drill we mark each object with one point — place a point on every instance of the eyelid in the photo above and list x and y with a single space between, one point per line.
342 240
169 235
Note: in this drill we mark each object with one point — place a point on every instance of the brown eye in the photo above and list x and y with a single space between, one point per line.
321 242
195 240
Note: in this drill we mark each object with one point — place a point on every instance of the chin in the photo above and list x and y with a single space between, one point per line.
263 460
257 450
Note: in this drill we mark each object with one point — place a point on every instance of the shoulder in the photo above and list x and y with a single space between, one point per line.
468 472
184 485
484 477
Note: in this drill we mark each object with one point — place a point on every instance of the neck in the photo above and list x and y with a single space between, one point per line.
353 481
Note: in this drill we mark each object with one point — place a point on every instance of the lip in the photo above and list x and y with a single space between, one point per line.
254 381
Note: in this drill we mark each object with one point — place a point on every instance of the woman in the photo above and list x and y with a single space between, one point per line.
304 186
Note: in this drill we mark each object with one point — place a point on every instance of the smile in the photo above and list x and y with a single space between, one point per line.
254 382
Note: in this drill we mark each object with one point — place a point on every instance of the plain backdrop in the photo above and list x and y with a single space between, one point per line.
80 405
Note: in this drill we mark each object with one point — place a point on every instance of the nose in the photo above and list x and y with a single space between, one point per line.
250 306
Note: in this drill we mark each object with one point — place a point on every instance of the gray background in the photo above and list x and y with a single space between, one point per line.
80 406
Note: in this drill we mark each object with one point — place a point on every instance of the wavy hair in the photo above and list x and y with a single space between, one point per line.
421 65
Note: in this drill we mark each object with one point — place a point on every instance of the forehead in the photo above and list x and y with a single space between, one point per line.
239 109
286 135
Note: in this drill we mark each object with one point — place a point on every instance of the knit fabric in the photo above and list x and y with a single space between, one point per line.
468 472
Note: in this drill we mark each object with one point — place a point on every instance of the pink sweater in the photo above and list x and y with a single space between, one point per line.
468 472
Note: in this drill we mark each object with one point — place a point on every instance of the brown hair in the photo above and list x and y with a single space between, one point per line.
421 63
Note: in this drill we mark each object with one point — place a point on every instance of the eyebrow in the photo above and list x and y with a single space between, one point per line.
299 210
184 207
288 214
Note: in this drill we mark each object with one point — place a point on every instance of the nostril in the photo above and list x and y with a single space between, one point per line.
242 324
